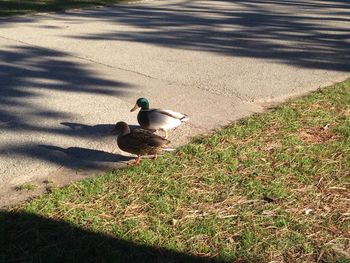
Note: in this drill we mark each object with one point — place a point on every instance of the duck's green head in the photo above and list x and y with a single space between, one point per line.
141 103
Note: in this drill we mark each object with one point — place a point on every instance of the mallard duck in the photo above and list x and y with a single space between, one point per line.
157 119
139 141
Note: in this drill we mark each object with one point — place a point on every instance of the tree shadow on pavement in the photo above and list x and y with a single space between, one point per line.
303 33
26 71
28 237
311 34
29 75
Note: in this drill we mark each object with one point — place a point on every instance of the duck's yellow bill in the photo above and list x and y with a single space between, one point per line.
135 107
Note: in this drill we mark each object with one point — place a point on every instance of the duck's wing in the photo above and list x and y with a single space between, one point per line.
173 114
144 137
163 119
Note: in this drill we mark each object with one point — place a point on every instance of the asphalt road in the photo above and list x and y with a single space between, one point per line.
66 78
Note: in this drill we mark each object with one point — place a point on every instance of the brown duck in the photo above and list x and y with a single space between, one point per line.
139 141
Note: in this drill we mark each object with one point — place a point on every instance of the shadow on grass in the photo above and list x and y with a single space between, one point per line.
30 238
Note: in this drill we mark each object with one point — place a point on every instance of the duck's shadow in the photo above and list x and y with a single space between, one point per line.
93 131
85 154
81 157
78 157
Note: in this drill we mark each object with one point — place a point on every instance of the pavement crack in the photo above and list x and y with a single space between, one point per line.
81 58
114 67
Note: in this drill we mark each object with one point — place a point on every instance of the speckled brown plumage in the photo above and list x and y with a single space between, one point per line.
139 141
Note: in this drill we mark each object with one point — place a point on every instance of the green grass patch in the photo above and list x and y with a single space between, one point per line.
22 7
274 187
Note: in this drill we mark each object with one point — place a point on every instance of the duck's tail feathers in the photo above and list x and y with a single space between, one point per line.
168 149
184 118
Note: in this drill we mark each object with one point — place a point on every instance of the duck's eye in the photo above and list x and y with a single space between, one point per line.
139 102
143 103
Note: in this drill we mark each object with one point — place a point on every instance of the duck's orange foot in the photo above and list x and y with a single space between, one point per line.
137 161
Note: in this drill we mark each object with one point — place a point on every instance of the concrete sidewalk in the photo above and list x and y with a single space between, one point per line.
67 78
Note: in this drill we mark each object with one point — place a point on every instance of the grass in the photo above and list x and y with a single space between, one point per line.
27 187
22 7
274 187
